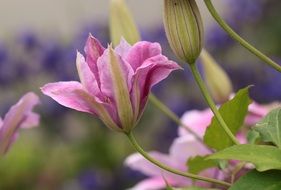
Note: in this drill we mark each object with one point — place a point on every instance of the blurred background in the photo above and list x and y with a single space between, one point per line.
74 151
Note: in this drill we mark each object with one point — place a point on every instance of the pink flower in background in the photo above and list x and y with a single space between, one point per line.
19 116
198 120
184 147
114 83
256 112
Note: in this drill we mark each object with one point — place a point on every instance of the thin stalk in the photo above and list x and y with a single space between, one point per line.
169 169
238 38
164 109
237 168
211 103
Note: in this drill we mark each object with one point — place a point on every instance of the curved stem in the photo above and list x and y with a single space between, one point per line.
162 107
211 103
238 38
172 170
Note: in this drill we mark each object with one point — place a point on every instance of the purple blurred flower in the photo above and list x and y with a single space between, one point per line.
99 30
89 180
29 40
52 56
268 88
6 74
266 81
217 38
3 53
239 14
245 11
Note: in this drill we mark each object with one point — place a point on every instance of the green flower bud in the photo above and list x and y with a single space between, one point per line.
121 92
184 28
216 78
122 23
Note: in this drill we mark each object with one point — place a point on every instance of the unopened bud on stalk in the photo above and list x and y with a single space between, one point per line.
216 78
184 28
122 23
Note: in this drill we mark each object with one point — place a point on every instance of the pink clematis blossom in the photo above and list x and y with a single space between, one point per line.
184 147
19 116
198 120
114 83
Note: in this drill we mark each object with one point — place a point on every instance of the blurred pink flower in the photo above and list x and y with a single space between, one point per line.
198 120
19 116
184 147
256 112
115 84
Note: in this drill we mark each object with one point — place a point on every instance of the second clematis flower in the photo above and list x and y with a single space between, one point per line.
186 146
19 116
114 83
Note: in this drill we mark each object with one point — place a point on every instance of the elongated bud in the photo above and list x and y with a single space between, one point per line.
122 23
121 92
216 78
184 28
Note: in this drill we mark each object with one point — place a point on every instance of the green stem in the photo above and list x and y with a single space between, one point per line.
238 38
237 168
211 103
162 107
172 170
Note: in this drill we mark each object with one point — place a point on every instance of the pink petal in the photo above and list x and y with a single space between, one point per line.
156 69
70 94
142 51
153 183
1 123
106 76
74 96
151 72
87 77
241 137
31 121
139 163
211 173
123 48
255 113
93 50
186 147
19 115
25 105
196 120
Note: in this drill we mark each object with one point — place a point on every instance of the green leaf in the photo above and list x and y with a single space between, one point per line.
199 163
168 187
253 136
223 164
270 180
262 156
234 113
270 127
